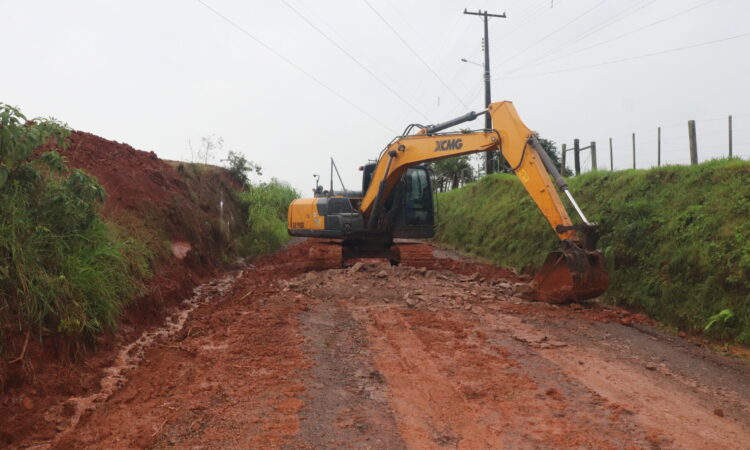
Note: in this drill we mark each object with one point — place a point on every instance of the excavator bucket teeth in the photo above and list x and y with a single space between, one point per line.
572 274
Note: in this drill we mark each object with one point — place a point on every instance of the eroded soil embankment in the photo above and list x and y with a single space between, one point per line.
381 357
174 210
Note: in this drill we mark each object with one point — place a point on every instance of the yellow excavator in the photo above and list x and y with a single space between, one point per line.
396 201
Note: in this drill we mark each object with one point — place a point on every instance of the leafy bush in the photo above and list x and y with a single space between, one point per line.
61 267
239 166
266 206
676 238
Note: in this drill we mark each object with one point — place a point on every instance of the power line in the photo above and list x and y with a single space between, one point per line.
520 20
616 18
550 34
293 64
343 50
414 52
673 16
570 69
612 20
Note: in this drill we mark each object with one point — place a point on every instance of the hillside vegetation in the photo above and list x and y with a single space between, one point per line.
676 238
88 225
61 266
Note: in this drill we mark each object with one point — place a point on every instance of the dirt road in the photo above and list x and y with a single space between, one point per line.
403 357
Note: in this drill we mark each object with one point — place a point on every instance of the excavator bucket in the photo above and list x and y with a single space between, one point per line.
571 274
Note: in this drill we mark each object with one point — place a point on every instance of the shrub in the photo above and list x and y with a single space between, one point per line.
239 166
266 207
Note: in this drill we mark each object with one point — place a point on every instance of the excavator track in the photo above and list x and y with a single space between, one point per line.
325 255
412 254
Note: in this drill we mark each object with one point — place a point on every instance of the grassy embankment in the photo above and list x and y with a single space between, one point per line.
66 270
266 207
676 238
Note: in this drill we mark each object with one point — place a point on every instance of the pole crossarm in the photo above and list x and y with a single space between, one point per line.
486 14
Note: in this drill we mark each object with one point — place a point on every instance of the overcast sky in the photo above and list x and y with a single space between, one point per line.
157 73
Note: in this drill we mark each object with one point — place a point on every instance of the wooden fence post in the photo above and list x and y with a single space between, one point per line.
593 155
562 160
693 143
658 147
633 150
577 156
730 135
611 158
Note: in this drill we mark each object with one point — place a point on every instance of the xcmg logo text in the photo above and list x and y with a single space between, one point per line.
448 144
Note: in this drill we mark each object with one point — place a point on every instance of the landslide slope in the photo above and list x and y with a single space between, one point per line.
676 238
185 212
185 215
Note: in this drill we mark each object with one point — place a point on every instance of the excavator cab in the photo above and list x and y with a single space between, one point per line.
408 211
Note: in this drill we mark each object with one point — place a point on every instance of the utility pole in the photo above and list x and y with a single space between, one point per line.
487 88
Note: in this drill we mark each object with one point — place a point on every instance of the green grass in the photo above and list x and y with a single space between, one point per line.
62 269
265 206
676 238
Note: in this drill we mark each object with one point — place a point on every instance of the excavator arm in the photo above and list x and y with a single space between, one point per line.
517 142
577 270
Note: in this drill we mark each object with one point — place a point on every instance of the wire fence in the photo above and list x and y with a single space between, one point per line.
684 143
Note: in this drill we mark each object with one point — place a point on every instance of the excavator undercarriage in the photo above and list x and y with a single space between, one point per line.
333 254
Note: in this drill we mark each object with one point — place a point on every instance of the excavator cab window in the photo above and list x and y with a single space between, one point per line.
418 198
410 205
367 172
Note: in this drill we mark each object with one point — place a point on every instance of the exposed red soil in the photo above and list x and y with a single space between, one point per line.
154 200
170 197
376 356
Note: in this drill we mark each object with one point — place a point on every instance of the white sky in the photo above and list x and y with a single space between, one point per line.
157 73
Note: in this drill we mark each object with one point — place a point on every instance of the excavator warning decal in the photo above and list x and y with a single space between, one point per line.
448 144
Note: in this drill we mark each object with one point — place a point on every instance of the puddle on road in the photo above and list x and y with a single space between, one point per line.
131 355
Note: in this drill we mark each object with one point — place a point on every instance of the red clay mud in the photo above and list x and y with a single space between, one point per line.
376 356
381 356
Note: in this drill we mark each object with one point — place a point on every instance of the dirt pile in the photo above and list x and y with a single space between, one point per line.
468 286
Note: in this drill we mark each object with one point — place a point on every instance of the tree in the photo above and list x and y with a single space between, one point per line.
451 173
550 147
210 146
239 166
